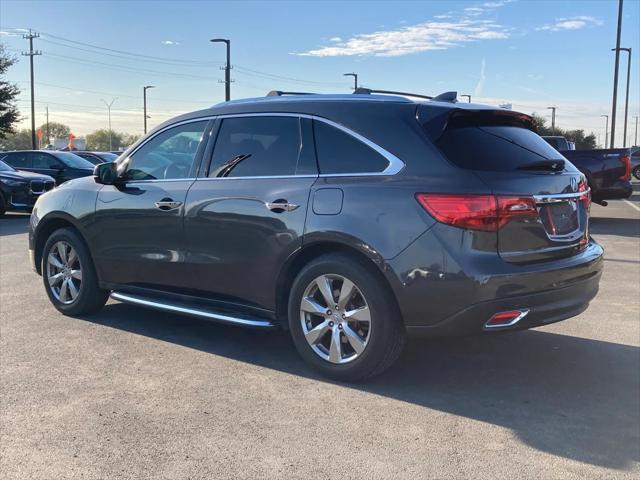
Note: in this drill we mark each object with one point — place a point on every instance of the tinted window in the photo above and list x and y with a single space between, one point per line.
256 147
72 160
339 152
18 160
90 158
107 157
168 155
6 168
495 148
43 160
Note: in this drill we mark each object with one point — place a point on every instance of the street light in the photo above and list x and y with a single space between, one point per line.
227 67
109 110
144 98
553 119
606 130
468 96
626 102
355 79
636 141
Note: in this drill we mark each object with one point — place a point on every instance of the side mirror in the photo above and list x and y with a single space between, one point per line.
105 173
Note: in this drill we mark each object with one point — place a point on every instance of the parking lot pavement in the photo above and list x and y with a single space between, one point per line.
132 393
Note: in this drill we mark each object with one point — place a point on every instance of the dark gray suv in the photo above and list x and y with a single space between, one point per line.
349 220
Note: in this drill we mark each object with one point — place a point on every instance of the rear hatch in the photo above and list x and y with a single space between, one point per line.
542 200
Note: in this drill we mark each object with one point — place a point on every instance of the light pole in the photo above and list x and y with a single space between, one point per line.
636 141
355 79
468 96
144 99
615 76
109 111
626 102
227 67
606 130
553 119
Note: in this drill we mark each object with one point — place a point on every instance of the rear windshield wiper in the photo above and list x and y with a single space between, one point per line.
225 169
546 165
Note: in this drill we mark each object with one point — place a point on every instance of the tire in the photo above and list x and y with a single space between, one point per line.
74 267
333 350
3 205
636 171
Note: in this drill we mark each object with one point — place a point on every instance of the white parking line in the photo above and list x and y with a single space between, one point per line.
631 204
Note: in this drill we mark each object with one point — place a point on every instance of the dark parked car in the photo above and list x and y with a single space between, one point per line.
20 190
349 220
608 171
635 162
97 157
62 166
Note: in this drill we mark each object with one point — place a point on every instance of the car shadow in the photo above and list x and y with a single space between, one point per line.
14 224
567 396
626 227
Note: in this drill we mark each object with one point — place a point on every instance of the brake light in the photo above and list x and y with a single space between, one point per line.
585 199
626 163
486 213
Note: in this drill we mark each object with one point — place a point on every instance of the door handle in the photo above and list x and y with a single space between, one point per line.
279 206
167 204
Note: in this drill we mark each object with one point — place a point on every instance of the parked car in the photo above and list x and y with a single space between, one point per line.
608 171
560 143
349 220
19 190
635 162
97 157
62 166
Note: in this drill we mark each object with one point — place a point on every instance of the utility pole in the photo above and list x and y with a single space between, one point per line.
48 136
144 98
31 53
606 130
468 96
615 76
636 141
227 67
355 79
553 119
626 102
109 111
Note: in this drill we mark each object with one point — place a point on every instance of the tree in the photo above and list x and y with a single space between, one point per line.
99 140
9 114
56 130
20 140
129 139
582 140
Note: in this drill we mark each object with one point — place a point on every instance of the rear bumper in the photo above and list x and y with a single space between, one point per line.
544 308
620 189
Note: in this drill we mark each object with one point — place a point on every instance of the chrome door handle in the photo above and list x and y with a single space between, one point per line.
168 205
281 206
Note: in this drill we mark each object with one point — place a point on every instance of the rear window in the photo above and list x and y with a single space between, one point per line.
495 148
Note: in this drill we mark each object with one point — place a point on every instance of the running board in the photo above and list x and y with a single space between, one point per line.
208 314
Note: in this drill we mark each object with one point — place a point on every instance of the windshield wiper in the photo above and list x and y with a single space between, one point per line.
225 169
549 165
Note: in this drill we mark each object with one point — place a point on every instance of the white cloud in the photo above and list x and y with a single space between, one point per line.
170 42
572 23
480 85
8 34
412 39
335 39
474 11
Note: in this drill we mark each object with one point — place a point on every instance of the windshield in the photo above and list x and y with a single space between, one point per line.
72 160
6 168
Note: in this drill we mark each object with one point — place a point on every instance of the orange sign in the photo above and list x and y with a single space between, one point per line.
39 133
72 145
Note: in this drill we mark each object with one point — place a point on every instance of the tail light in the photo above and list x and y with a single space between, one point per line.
487 213
585 199
626 163
506 319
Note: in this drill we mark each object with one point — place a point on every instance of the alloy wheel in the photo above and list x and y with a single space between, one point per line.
64 272
335 317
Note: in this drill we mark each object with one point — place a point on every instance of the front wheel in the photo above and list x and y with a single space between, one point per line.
343 319
69 276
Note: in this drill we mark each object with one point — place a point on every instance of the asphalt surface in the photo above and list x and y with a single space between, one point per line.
132 393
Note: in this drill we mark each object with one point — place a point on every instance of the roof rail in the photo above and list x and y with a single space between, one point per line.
279 93
369 91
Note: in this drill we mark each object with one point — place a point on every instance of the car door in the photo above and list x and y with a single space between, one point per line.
46 164
246 215
137 234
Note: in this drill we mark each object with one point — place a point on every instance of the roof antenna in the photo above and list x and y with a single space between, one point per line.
446 97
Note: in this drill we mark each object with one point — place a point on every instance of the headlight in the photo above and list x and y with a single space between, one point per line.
14 182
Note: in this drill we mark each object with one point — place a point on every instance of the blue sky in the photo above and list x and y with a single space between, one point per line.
532 54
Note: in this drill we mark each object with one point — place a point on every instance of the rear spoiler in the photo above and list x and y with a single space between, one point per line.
436 121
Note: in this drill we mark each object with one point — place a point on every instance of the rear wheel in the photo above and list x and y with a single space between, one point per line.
343 319
69 276
3 205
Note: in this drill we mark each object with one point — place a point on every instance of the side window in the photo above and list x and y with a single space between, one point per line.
18 160
44 160
168 155
257 147
339 152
